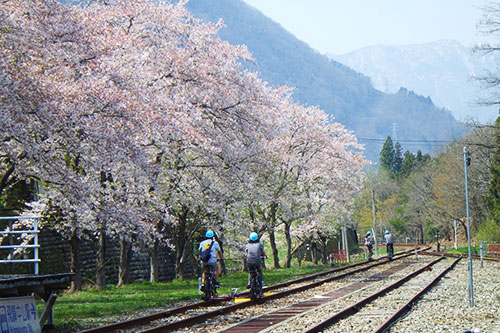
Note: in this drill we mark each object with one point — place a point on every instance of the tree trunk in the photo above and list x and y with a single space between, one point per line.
314 253
422 241
288 245
324 252
180 242
153 261
222 264
101 260
272 240
124 264
74 245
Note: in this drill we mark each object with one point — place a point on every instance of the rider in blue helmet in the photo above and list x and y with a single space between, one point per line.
215 255
369 241
389 242
254 254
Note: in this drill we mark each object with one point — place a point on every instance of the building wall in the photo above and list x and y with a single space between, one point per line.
55 257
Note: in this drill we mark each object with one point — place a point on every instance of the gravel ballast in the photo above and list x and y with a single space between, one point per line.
446 307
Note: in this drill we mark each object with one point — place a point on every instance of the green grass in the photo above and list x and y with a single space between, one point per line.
465 250
70 309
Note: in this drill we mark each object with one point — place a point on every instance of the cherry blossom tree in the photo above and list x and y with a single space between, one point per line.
144 127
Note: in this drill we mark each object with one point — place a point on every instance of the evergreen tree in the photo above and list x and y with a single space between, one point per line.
398 159
387 155
493 197
409 163
418 158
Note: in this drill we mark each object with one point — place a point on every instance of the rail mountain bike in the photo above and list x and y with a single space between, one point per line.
255 283
209 290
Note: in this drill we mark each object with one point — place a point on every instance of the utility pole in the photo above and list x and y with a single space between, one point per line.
466 164
374 229
455 229
345 242
438 247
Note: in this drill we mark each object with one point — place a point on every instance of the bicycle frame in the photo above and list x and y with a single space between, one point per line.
255 283
209 282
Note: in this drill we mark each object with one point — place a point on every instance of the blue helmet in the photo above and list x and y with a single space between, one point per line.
209 234
368 233
253 236
387 231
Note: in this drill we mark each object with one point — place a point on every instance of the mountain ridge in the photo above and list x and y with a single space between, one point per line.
443 70
342 92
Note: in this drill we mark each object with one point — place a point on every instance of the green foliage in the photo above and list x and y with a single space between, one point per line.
409 163
398 225
493 196
16 195
430 229
398 159
488 231
464 250
393 161
387 155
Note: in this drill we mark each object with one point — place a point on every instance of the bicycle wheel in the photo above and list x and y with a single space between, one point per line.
259 285
208 286
253 286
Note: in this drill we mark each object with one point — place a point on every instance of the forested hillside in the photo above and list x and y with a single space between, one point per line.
347 95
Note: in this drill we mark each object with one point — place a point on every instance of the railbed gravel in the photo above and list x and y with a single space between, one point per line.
445 308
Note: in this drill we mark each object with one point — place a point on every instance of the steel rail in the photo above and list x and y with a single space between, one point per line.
165 314
231 308
143 320
459 255
270 319
405 308
352 309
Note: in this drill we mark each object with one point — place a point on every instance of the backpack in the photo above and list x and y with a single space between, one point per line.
206 254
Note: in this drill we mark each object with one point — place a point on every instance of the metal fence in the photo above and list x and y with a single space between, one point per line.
9 232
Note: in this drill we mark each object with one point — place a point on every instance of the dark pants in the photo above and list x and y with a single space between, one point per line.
390 250
370 251
257 267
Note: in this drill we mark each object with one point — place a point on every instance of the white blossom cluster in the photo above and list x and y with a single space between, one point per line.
141 124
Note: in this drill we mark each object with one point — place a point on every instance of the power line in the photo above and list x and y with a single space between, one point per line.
408 141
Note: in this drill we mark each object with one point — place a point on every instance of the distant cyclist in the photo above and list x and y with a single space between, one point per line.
369 241
254 252
215 253
389 244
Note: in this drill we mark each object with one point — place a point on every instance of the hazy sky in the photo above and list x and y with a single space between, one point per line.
341 26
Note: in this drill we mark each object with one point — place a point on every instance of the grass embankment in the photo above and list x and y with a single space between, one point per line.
465 250
71 309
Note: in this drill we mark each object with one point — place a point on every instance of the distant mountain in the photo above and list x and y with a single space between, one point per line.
443 70
342 92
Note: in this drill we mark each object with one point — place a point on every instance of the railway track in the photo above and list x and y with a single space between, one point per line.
368 311
271 319
474 256
189 315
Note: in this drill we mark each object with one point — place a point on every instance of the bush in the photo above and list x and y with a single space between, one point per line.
488 231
